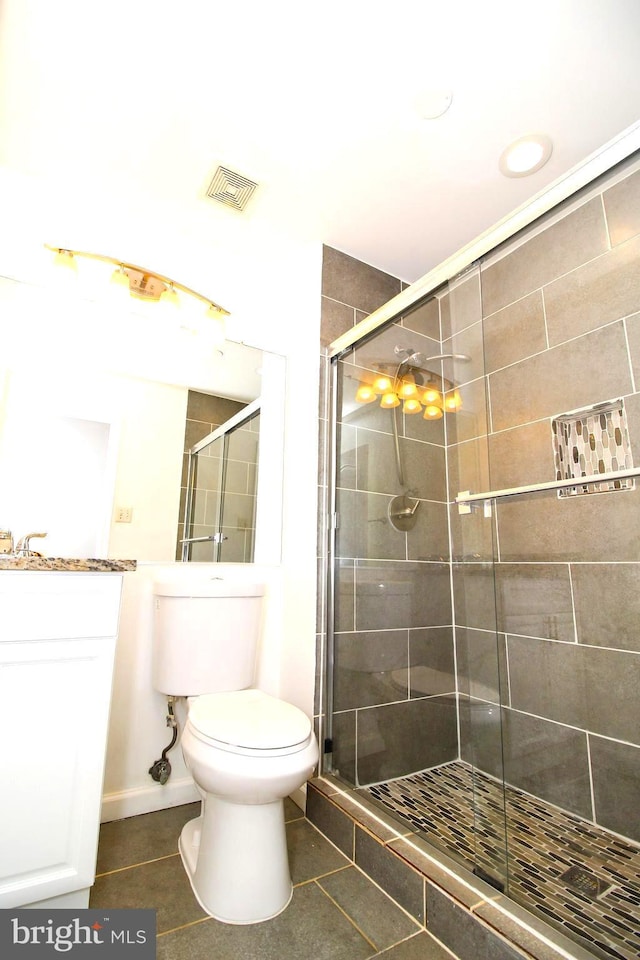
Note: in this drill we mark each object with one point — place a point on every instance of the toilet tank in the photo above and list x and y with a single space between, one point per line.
205 636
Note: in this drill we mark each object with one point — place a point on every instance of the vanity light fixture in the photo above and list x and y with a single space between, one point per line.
417 390
153 287
525 155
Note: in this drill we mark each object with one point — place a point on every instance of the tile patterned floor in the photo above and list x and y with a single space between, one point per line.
336 912
463 813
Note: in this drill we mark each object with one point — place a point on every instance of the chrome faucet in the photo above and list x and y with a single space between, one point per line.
23 549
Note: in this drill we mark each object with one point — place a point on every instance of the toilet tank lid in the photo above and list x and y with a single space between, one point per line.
207 587
250 719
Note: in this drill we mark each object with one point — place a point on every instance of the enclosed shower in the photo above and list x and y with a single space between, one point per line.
483 659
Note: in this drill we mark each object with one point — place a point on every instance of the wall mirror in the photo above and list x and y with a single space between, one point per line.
93 412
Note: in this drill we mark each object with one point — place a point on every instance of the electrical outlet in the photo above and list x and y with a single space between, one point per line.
124 514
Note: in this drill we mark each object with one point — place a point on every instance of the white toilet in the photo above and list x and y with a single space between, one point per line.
245 750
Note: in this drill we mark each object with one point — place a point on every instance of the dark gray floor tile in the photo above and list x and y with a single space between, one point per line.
375 914
421 947
162 885
291 810
145 837
311 926
310 854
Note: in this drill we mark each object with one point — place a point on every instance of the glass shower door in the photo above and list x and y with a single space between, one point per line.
480 661
413 688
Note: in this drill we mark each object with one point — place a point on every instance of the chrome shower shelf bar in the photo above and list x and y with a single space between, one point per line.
465 498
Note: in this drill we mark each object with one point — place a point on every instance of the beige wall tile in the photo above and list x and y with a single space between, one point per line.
424 319
633 333
622 207
588 370
356 283
515 332
522 456
578 237
465 304
603 290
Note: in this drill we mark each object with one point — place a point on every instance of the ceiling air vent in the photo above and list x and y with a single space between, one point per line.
231 188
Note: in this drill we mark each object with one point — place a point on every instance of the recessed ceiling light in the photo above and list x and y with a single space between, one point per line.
526 155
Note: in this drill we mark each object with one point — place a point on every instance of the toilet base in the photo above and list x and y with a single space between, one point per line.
235 856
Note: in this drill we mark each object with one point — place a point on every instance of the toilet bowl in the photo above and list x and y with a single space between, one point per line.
246 750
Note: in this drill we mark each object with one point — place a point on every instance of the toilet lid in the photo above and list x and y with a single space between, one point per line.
249 719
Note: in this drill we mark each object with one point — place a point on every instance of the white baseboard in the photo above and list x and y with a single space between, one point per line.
147 799
299 797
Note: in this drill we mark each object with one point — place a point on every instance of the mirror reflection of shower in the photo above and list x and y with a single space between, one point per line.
413 387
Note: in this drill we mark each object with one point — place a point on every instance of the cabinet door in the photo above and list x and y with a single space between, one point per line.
55 700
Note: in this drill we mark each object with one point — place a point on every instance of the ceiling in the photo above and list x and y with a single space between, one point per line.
136 105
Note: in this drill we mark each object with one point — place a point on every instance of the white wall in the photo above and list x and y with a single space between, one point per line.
271 284
45 486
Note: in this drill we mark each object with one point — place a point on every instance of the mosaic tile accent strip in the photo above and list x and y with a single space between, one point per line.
592 441
463 812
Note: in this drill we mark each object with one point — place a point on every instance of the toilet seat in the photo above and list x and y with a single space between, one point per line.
249 722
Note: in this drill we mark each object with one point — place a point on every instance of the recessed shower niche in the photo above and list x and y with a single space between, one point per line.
592 441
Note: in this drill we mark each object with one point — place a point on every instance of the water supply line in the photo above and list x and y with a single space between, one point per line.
160 771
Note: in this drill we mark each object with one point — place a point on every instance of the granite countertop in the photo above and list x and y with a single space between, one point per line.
9 562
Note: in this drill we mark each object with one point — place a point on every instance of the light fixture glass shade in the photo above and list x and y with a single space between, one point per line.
382 383
452 401
411 405
432 412
66 259
216 332
408 387
120 279
169 297
365 393
389 400
431 395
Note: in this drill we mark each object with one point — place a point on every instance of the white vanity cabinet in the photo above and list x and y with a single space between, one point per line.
57 644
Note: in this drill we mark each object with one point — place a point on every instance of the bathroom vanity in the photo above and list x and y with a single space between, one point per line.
58 629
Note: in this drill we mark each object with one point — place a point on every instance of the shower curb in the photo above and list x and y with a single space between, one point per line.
470 917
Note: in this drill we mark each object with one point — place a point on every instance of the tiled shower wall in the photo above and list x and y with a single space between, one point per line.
551 323
561 316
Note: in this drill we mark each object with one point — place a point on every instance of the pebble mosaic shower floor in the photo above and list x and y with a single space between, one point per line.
463 813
